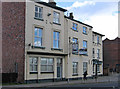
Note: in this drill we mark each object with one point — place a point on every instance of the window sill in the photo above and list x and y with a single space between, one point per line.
38 47
38 18
84 54
75 53
57 49
75 30
46 72
33 72
85 33
56 23
75 75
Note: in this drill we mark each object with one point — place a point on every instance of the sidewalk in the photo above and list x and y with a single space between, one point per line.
102 79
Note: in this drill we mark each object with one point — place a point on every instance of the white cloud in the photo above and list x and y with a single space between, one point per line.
80 4
105 24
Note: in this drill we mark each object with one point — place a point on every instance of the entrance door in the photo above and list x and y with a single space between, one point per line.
59 68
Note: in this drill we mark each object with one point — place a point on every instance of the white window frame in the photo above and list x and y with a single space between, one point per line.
75 68
84 30
98 39
84 42
56 17
33 63
47 64
75 27
98 53
39 12
55 40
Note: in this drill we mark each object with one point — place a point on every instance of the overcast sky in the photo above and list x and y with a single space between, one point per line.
101 14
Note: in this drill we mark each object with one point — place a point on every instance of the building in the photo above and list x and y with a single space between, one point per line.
111 55
43 44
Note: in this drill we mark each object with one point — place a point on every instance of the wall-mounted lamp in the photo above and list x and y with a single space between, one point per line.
49 14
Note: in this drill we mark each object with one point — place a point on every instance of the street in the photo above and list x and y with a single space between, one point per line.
107 82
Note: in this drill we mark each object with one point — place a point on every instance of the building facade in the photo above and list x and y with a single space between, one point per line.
43 44
111 55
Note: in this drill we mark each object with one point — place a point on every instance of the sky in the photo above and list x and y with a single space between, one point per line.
101 14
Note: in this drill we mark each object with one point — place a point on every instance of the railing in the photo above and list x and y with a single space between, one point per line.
83 51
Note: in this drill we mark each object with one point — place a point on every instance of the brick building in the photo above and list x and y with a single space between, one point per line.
111 54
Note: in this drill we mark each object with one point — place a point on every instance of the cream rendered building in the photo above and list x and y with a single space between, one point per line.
56 47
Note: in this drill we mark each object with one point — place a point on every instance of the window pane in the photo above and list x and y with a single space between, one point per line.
36 8
35 68
35 61
31 68
43 68
39 42
36 41
40 32
50 68
35 31
43 61
50 61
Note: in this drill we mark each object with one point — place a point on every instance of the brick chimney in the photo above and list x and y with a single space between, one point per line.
71 15
52 2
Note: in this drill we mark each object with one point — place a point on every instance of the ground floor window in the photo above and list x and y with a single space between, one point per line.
75 68
84 67
33 64
46 64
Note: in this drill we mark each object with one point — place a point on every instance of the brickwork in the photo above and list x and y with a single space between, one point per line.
111 52
13 38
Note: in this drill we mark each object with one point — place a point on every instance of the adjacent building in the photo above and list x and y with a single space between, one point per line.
111 55
40 43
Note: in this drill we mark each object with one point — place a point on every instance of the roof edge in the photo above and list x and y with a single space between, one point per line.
98 33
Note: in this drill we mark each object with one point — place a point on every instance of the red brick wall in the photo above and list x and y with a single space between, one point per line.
13 37
111 52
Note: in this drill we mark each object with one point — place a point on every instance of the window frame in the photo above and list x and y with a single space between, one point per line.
84 30
56 39
55 18
76 43
98 53
75 28
98 40
33 65
84 41
40 13
47 64
38 36
75 67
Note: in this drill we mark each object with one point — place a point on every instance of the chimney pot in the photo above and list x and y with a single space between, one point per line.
71 15
52 2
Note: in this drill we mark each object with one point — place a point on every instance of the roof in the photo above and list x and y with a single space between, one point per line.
52 6
78 21
98 33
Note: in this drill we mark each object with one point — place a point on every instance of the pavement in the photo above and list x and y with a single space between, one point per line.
102 79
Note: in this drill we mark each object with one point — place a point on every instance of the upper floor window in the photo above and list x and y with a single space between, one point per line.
85 30
98 40
75 68
74 26
85 44
75 46
37 37
46 64
56 17
33 64
56 39
98 53
38 12
84 67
